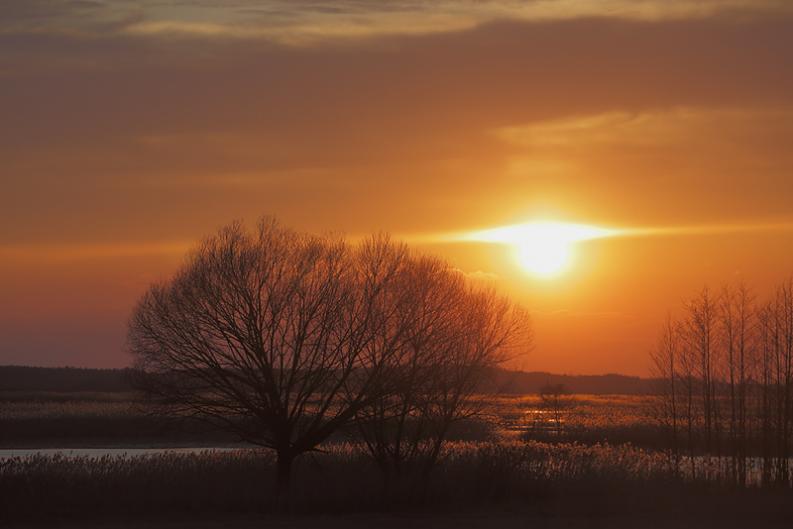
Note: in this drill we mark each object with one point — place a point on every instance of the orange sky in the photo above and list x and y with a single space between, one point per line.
129 131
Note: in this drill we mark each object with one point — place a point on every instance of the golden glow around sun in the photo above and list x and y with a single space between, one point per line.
544 249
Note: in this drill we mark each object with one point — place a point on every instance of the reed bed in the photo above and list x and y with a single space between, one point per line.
569 477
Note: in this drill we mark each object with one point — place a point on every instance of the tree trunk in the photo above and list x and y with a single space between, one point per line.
283 477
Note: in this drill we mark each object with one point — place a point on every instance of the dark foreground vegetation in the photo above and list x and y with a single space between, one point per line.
532 478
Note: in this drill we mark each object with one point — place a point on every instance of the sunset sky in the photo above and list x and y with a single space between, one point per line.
128 130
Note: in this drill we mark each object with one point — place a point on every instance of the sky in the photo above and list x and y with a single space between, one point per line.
129 130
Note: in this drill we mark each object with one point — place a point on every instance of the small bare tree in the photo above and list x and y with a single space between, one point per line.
556 399
279 337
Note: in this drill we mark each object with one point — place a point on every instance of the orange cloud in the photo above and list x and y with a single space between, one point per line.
80 252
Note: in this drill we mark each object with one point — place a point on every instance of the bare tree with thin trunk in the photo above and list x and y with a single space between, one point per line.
728 334
747 326
766 404
556 399
666 367
699 330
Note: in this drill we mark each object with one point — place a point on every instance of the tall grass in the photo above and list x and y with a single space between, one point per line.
566 477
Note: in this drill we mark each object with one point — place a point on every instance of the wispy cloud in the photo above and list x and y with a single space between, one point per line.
479 275
728 228
303 22
634 129
80 251
574 233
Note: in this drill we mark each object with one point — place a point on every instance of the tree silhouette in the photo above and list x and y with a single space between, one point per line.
726 370
455 333
556 399
283 338
279 337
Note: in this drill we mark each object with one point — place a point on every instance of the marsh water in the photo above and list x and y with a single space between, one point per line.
109 452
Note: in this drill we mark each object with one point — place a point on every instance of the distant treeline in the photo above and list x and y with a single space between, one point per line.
516 382
66 379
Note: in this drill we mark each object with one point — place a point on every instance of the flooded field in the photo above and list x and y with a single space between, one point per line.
118 422
81 449
82 453
526 413
509 411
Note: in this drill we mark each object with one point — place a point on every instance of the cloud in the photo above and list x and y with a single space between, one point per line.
171 138
306 23
479 275
80 252
678 125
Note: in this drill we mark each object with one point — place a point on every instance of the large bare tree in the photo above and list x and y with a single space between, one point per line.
277 336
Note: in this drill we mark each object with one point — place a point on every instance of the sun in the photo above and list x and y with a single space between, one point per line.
544 257
544 249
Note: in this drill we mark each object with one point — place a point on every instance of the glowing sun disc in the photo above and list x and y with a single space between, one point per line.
544 249
547 259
